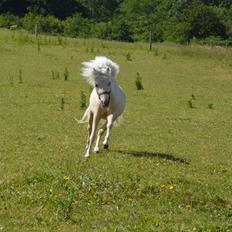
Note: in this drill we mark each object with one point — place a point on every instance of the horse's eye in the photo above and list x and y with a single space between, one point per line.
96 85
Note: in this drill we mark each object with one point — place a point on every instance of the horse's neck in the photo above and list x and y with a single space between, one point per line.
116 92
115 84
114 88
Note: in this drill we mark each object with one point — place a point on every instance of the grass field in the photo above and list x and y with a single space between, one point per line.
169 163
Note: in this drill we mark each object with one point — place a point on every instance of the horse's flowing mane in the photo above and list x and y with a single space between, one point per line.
100 65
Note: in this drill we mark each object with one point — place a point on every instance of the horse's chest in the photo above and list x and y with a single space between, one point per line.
105 112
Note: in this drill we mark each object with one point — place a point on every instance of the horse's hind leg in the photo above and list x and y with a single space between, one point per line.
109 126
100 133
89 128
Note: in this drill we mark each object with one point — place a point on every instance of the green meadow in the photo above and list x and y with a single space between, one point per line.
168 167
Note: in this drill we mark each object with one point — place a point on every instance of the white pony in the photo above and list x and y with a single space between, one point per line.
107 100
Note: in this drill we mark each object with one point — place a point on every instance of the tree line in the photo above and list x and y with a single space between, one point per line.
124 20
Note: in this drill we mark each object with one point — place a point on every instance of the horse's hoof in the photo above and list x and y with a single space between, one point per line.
86 156
106 146
96 151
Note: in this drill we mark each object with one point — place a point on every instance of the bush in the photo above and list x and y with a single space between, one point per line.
228 22
204 22
47 24
138 82
9 20
140 28
102 30
121 31
178 32
117 29
217 41
77 26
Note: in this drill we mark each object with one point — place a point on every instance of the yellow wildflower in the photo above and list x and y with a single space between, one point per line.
66 178
187 206
171 187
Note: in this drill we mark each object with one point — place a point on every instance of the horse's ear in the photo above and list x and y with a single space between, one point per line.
95 72
108 71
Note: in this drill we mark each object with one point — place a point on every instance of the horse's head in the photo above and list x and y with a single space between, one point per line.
102 84
100 73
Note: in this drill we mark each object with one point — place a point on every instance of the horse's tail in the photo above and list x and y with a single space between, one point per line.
85 117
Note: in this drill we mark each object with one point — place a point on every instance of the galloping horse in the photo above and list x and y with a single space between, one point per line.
107 100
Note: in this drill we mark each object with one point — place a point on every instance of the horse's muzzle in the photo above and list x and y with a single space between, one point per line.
105 104
104 97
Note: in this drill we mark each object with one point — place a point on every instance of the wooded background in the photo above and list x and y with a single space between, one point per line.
179 21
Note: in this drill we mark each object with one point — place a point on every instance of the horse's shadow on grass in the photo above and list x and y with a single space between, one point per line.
148 154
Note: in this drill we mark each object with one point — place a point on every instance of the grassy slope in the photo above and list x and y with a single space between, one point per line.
142 183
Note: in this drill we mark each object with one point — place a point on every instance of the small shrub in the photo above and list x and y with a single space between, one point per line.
128 56
210 106
20 77
190 104
83 101
55 75
62 103
138 82
66 74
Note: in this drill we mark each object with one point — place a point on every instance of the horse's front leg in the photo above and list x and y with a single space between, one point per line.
100 133
109 127
92 135
90 123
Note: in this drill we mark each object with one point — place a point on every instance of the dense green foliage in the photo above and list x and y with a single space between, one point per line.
124 20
